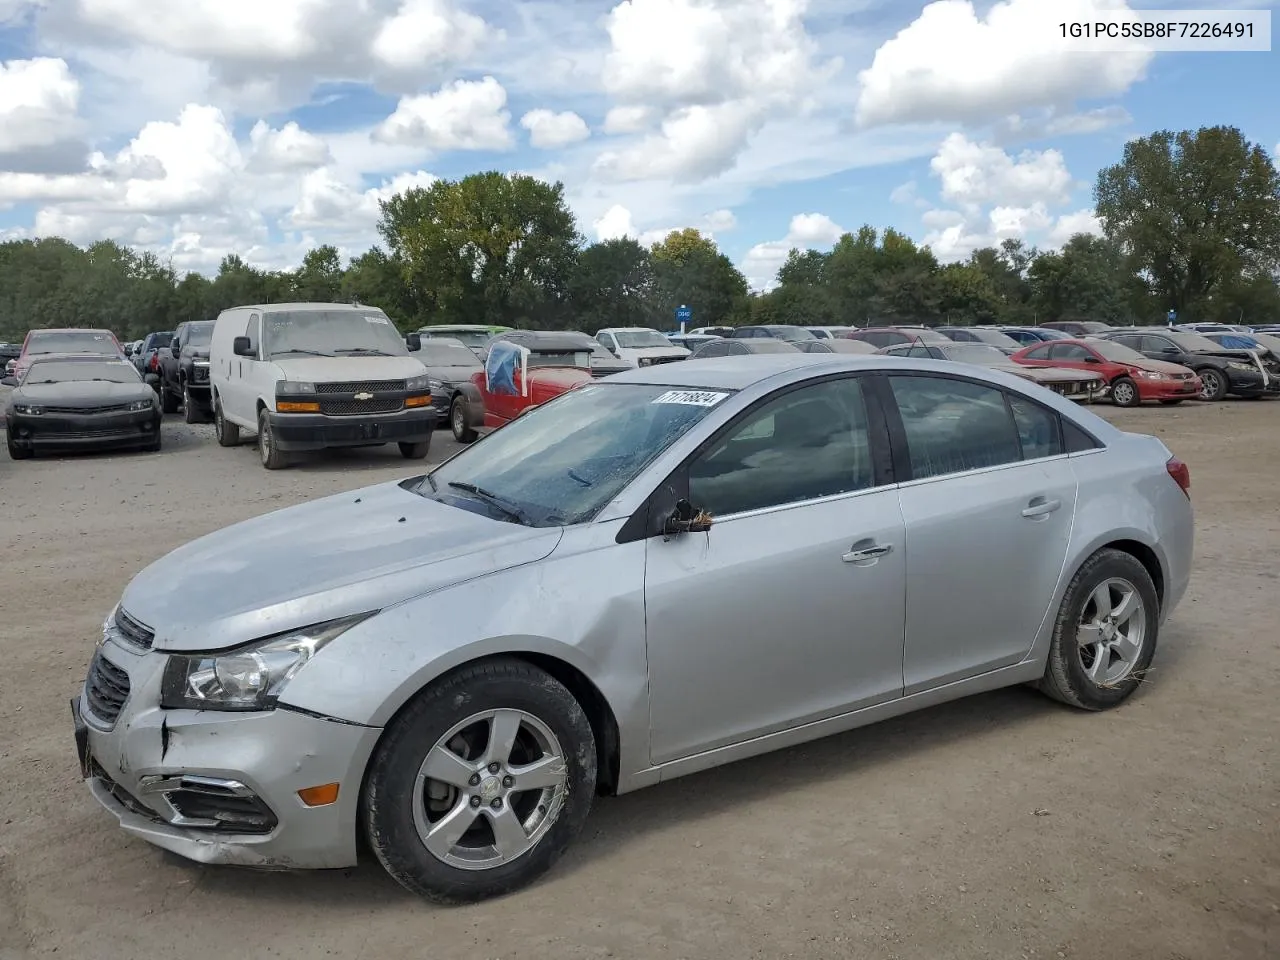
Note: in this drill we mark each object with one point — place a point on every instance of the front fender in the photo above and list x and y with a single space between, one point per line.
472 404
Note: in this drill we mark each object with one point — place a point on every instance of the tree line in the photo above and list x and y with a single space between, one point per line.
1191 222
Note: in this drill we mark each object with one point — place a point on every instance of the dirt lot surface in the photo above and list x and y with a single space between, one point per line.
1002 826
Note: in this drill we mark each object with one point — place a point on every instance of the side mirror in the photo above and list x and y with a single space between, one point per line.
1168 349
175 351
243 347
1091 359
413 341
684 519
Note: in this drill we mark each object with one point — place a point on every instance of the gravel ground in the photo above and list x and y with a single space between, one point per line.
1002 826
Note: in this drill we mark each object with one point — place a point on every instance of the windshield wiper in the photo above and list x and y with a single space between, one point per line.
309 353
380 353
504 505
574 475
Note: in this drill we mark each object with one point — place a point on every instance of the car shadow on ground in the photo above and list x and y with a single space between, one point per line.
618 822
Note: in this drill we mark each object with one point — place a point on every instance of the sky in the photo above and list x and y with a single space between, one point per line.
266 127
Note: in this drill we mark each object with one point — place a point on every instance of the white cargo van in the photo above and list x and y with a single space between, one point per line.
306 376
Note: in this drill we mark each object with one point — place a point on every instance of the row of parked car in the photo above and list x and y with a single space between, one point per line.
309 376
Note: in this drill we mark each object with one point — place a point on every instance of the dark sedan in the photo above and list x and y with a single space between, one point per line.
1222 370
81 403
731 347
450 364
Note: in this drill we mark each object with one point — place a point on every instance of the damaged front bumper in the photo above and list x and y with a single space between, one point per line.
214 786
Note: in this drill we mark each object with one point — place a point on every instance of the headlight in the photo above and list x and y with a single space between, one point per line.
142 405
435 386
418 384
1240 366
249 678
28 409
1150 375
293 388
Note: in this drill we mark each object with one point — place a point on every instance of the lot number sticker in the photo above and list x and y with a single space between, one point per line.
374 318
692 398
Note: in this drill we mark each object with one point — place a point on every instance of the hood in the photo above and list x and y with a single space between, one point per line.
453 374
82 393
638 352
334 369
1052 374
1160 366
318 561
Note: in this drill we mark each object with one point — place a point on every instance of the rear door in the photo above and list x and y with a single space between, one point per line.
988 506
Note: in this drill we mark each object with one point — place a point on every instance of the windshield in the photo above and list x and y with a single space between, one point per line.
790 333
576 358
200 334
1194 342
332 333
1234 341
561 463
1116 351
66 371
770 346
996 338
71 341
471 339
442 353
979 353
159 340
640 339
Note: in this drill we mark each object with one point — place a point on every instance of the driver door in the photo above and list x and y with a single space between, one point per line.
791 607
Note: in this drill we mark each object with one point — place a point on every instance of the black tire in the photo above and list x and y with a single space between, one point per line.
168 402
1213 384
1065 677
192 412
1124 392
462 432
16 452
1171 403
388 809
273 458
415 451
228 433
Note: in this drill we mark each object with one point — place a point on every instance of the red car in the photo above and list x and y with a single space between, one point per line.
1131 377
522 369
78 341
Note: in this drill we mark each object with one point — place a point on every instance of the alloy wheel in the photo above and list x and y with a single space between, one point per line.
489 790
1111 632
1123 394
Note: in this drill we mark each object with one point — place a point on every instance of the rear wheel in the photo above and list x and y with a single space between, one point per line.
168 402
273 458
190 414
228 433
458 421
1105 635
415 451
1213 384
1124 392
481 783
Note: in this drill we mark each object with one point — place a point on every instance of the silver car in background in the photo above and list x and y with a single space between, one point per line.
649 576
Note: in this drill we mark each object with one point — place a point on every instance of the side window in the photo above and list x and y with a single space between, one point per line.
1133 343
184 334
1039 430
919 351
954 425
254 330
1154 345
714 350
808 443
1039 353
878 339
1068 351
608 341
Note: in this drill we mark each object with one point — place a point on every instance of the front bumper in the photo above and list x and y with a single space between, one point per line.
315 431
1250 383
270 756
1169 389
52 429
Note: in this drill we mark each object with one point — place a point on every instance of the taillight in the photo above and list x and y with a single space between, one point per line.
1180 473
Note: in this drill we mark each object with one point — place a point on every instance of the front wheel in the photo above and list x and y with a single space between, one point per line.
1124 392
1105 636
415 451
1213 385
228 433
481 783
16 452
273 458
189 412
458 422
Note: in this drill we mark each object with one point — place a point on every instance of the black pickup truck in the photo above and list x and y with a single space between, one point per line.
184 372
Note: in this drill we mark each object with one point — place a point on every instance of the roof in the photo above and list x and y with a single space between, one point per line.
552 341
291 307
481 327
77 357
739 372
70 330
626 330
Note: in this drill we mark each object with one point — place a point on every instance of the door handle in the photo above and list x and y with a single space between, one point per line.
867 553
1039 507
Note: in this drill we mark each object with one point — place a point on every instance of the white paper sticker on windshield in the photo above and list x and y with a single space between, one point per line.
693 398
374 318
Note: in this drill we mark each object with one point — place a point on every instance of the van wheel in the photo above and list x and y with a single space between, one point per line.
458 422
415 451
480 783
273 458
228 433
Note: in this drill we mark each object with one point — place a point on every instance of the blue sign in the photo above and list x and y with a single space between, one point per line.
1173 315
683 314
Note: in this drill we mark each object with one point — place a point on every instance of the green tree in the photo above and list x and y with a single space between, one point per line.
689 269
612 285
967 295
1087 280
488 248
1196 210
319 279
378 280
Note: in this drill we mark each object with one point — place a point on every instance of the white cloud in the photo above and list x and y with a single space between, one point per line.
952 65
696 143
549 130
1069 224
617 222
464 115
721 221
423 31
289 148
39 100
807 231
629 119
614 224
974 174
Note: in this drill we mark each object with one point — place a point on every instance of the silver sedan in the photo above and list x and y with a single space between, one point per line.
649 576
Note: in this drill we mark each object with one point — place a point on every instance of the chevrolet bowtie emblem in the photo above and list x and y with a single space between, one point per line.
364 396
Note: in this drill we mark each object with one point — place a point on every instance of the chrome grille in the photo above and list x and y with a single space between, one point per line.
348 407
199 373
361 386
106 689
132 631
